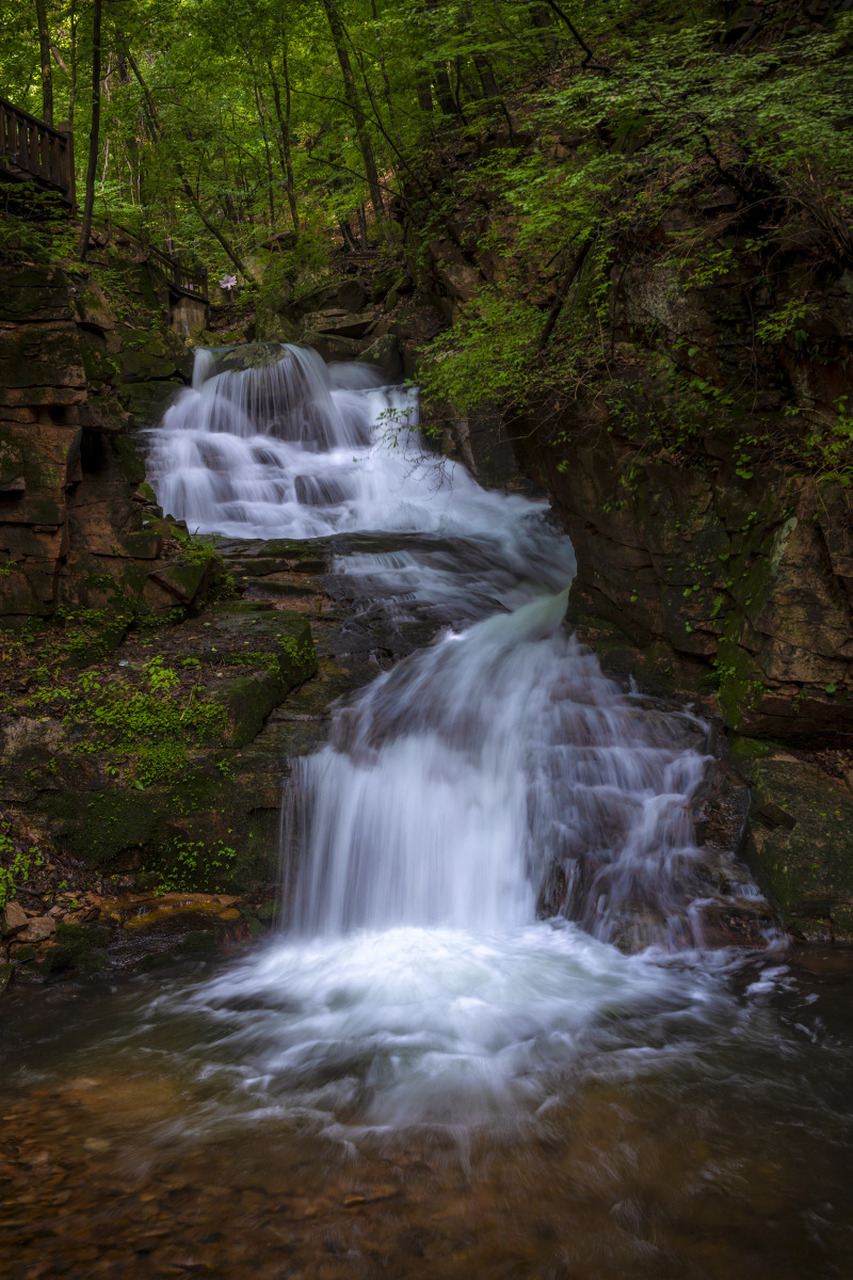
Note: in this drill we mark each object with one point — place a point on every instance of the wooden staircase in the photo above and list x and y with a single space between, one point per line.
32 151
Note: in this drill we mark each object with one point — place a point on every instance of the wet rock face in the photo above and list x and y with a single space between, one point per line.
383 326
72 379
683 463
801 843
742 590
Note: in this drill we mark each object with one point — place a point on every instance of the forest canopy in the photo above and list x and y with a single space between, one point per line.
218 125
226 123
549 142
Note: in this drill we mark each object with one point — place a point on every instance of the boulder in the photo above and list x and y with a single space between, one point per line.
15 918
38 929
338 323
385 355
800 842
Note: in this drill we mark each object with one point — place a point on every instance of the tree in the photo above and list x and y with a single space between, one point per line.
44 55
94 132
353 101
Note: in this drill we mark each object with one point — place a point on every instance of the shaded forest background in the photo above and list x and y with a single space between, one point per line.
225 133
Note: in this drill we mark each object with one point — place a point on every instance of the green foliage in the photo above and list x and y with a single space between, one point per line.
33 226
297 267
486 358
202 549
675 118
16 863
160 762
141 716
231 122
191 866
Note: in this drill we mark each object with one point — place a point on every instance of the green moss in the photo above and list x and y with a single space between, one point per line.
99 366
198 943
132 466
801 841
160 762
142 545
743 750
247 701
740 686
111 823
81 948
194 866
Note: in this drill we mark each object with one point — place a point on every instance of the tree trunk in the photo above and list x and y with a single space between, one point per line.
44 57
389 100
563 16
487 76
91 168
440 77
262 116
284 129
540 18
72 92
347 237
423 89
157 133
336 27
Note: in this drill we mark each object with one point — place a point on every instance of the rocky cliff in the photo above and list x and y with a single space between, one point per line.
75 528
684 385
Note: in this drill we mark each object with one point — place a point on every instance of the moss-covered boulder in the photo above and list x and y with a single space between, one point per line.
801 844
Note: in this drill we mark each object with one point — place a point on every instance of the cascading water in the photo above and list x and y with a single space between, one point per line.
443 1065
413 973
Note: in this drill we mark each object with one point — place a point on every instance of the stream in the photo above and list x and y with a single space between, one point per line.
494 1035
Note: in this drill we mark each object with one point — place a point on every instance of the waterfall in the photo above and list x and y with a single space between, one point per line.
490 779
455 781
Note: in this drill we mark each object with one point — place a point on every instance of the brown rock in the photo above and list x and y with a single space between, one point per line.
38 929
15 918
345 324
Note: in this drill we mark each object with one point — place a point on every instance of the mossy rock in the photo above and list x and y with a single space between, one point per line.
146 402
129 461
101 830
801 844
272 326
100 365
34 294
249 699
184 581
145 355
81 949
219 806
744 751
252 355
199 944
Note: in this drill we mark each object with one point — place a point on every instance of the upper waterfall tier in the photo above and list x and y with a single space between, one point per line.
295 448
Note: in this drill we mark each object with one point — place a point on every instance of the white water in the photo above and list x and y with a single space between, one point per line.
413 983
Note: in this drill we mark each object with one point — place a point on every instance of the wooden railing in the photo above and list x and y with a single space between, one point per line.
180 277
31 149
191 281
